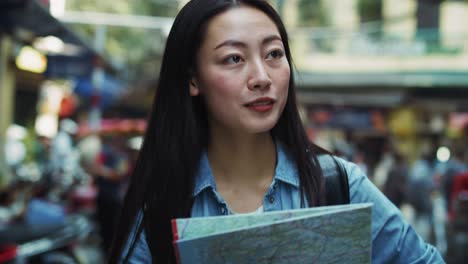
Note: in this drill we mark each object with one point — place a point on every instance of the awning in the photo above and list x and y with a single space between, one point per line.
404 79
26 20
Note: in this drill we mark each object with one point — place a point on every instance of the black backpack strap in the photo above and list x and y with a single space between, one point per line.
336 180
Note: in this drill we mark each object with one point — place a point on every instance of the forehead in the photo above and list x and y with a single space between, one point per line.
239 22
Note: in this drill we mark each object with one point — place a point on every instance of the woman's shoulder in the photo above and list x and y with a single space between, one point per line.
329 164
361 189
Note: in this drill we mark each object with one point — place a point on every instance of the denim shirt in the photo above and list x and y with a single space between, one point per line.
393 239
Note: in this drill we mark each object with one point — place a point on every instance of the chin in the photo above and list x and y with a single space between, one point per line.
261 128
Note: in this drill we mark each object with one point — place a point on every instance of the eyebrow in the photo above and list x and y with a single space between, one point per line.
241 44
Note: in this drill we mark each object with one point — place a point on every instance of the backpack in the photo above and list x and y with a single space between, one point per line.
336 180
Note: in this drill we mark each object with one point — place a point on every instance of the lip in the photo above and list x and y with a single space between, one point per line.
261 100
263 104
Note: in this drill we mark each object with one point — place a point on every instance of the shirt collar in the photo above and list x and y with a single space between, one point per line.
204 177
285 171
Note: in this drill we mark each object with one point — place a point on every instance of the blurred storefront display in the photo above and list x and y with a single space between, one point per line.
40 60
114 126
407 62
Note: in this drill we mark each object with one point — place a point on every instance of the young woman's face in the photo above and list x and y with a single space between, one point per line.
242 71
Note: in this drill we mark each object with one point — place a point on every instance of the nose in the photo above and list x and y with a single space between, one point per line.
259 78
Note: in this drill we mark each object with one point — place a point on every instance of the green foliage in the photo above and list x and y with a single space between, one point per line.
128 46
134 7
311 13
370 10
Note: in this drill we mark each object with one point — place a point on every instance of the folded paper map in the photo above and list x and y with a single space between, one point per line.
328 234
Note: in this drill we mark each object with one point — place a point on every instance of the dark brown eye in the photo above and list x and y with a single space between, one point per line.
233 59
276 54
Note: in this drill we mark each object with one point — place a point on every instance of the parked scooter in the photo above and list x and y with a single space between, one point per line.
34 229
39 243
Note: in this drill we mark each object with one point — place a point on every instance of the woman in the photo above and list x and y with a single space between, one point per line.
225 137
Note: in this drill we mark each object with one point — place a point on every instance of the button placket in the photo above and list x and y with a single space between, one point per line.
271 198
223 210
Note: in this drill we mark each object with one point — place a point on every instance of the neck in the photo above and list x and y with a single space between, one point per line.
246 159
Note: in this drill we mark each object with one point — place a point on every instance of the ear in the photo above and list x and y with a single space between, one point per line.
193 86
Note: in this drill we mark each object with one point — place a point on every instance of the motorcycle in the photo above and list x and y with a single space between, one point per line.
35 226
39 243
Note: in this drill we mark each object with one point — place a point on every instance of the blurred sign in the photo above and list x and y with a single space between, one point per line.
109 90
457 124
60 66
114 126
348 118
403 122
458 120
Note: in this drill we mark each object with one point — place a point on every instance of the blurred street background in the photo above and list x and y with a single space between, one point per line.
382 83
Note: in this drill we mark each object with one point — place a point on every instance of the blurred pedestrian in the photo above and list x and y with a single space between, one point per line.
65 161
225 137
395 187
384 165
454 166
109 171
360 160
420 188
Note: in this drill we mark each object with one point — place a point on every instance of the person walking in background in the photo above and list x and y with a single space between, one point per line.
454 166
384 165
109 171
225 137
395 187
420 187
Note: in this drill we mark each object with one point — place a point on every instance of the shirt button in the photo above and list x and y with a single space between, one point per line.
271 199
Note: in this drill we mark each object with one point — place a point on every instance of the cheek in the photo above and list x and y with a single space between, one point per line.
282 79
220 87
220 82
216 93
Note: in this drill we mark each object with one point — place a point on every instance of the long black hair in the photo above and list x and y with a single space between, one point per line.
162 183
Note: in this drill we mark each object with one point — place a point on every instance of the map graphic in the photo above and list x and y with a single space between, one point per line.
329 234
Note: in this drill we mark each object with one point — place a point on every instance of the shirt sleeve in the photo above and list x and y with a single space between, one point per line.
393 238
141 252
